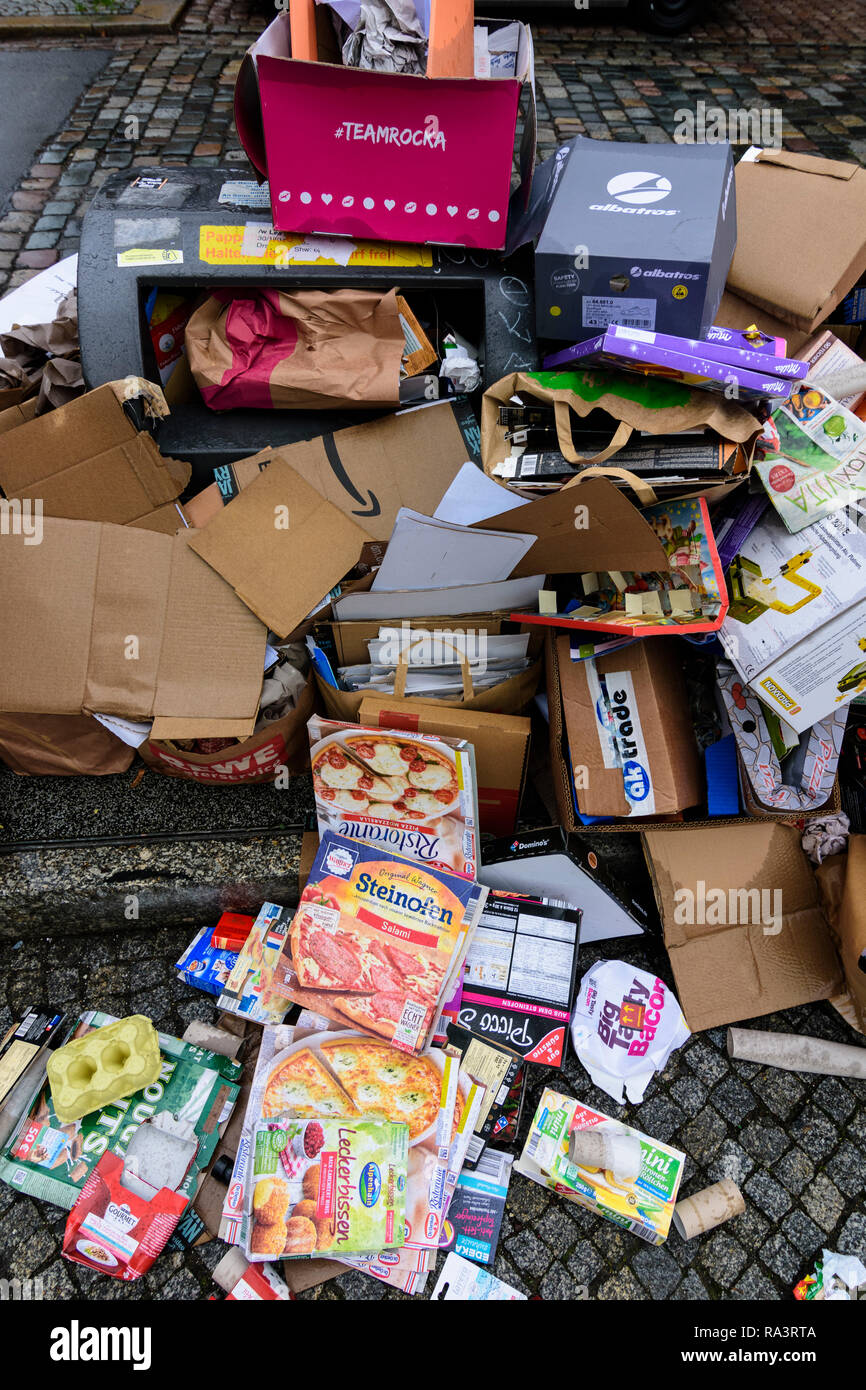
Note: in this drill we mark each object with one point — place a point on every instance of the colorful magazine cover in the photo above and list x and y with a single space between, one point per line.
415 794
814 457
376 941
689 597
321 1072
196 1089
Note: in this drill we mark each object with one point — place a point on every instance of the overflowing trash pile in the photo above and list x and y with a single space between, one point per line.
633 574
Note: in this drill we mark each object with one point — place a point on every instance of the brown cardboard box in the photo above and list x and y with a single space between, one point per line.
508 697
501 744
801 234
88 462
368 471
282 744
662 706
14 415
113 620
281 545
734 312
734 957
842 881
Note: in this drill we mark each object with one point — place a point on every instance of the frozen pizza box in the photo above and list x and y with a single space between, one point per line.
316 1071
412 793
377 941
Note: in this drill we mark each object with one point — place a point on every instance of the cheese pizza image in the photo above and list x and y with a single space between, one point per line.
415 793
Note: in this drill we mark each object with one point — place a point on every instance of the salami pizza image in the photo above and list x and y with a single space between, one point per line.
379 947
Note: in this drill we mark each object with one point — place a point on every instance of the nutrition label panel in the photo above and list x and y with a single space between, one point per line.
524 949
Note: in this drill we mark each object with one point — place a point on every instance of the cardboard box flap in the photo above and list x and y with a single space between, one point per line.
281 546
809 164
609 534
133 622
121 485
851 926
742 921
168 730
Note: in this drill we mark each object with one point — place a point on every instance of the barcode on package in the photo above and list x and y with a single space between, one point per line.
534 1141
599 311
476 1147
645 1233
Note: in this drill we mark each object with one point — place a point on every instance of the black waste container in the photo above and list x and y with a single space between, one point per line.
181 230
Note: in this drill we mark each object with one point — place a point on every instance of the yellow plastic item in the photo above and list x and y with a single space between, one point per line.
103 1066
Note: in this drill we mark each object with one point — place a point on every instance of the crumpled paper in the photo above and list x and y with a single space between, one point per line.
388 37
825 835
284 684
47 356
625 1025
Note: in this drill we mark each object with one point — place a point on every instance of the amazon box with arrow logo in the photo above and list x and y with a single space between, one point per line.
367 471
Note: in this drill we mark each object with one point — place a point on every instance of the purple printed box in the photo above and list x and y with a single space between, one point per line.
756 352
629 350
732 349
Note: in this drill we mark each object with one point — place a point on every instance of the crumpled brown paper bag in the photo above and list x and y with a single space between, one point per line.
269 349
45 357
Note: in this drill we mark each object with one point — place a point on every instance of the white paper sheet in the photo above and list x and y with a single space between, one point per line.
472 496
427 553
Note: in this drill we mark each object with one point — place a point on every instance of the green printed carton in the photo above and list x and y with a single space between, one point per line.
643 1204
196 1090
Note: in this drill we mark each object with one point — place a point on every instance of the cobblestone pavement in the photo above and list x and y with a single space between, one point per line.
104 8
796 1146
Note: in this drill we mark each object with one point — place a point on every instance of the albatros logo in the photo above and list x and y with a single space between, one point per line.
634 191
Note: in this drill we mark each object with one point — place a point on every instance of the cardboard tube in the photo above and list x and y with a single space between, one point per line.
599 1148
708 1208
793 1053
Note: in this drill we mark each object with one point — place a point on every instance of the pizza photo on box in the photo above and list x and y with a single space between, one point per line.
412 793
332 1073
376 941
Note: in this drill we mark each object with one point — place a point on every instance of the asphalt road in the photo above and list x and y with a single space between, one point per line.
39 90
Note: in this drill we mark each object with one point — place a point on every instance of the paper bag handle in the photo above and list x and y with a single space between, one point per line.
562 415
644 493
402 671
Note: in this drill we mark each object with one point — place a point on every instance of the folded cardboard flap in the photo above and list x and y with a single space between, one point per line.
742 922
587 528
850 926
87 461
281 545
132 623
369 471
817 208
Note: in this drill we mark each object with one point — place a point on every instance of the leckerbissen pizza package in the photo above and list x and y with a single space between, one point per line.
326 1073
415 794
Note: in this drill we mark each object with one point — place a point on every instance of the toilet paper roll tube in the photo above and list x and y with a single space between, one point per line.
708 1208
619 1153
793 1053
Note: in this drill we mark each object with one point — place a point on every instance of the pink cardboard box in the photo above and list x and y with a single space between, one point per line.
382 156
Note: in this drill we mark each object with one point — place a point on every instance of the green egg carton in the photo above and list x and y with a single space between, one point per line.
104 1066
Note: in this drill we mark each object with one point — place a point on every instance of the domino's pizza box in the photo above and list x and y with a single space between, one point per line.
635 235
562 866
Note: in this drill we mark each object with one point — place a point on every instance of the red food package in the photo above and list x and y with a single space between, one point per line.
113 1230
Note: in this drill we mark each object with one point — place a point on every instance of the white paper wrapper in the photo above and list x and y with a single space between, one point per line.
625 1025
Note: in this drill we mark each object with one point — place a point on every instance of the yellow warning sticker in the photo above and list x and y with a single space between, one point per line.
232 245
142 256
